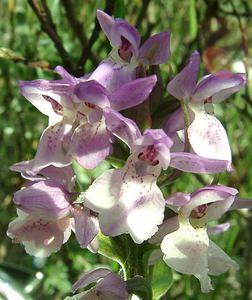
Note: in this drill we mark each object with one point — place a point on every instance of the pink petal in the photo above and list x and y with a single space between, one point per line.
132 93
183 84
189 162
50 150
90 144
85 228
156 50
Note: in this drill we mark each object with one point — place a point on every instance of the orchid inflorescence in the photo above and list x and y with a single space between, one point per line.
90 118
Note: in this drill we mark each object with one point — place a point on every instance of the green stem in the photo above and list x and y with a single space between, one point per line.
185 110
215 179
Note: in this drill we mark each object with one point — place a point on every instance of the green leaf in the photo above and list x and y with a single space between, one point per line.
112 248
161 279
140 287
193 19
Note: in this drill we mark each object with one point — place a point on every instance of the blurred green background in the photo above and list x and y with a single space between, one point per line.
68 34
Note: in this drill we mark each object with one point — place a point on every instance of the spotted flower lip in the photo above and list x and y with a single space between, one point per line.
206 134
187 248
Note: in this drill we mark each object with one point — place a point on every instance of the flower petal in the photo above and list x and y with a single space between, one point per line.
218 261
92 92
132 93
106 22
123 128
45 199
112 286
129 203
219 200
156 50
39 237
215 230
208 137
90 144
50 150
241 203
185 250
111 75
189 162
218 86
90 277
85 228
183 84
122 28
169 225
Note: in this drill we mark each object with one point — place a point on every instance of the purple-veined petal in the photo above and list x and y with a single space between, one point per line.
186 251
241 203
90 144
218 261
156 50
208 137
85 228
183 84
92 92
189 162
45 199
111 75
218 86
123 128
90 277
132 93
50 150
127 202
112 286
106 22
215 230
40 238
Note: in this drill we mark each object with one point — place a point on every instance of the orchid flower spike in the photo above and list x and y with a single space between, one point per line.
207 136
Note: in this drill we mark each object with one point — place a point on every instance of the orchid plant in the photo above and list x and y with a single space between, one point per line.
127 213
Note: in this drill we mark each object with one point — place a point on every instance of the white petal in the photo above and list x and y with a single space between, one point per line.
219 262
185 250
207 136
127 202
